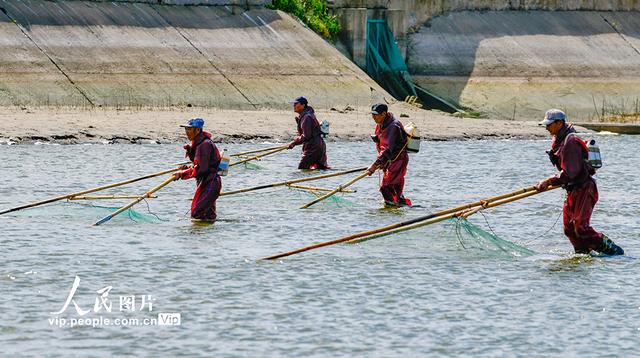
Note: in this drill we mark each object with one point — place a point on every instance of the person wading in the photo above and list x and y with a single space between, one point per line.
205 158
569 155
391 143
314 150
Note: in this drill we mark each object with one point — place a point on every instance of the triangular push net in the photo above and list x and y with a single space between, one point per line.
474 238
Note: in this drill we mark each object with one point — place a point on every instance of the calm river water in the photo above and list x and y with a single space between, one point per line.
428 291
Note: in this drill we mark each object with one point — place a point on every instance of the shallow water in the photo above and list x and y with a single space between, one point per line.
418 292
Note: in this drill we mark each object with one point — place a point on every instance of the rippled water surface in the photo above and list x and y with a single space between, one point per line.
425 291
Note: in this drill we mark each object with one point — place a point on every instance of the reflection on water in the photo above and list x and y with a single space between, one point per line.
431 291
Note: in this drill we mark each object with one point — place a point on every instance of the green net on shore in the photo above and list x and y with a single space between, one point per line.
385 62
472 237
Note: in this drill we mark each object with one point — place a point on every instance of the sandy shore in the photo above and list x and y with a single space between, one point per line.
68 126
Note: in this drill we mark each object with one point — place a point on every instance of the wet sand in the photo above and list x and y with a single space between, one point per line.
69 126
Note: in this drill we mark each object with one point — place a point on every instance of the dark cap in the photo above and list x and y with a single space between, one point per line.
379 108
194 123
300 100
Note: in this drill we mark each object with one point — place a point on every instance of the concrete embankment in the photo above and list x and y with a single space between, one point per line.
517 64
512 59
88 54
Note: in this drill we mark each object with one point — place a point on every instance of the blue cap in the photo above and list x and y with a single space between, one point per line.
551 116
300 100
194 123
379 108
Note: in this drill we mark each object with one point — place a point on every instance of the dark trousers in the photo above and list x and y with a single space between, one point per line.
314 155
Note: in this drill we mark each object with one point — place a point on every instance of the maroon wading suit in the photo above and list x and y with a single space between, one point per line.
393 159
314 151
206 158
582 193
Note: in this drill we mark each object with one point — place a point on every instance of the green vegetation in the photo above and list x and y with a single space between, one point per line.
626 111
622 118
313 13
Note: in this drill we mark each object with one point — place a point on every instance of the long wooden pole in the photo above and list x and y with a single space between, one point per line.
67 196
455 210
313 188
259 150
339 188
293 181
255 157
137 200
409 227
106 197
464 213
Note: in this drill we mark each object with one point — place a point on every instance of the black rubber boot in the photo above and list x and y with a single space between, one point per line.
608 247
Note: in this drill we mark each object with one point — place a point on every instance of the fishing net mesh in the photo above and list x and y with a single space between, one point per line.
336 199
252 166
473 237
91 209
385 62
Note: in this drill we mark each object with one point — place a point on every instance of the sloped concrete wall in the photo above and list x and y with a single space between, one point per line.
512 59
85 53
405 16
517 64
196 2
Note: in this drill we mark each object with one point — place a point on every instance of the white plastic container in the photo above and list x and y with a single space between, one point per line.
413 137
324 128
595 159
223 167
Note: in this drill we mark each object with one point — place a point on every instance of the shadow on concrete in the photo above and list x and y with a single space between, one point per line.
453 49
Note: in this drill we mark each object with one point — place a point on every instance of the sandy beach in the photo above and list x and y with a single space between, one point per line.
67 126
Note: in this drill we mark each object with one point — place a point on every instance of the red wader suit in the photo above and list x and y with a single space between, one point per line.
582 193
314 150
206 158
391 142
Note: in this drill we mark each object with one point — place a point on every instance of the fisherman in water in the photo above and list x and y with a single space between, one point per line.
205 158
314 150
569 155
391 143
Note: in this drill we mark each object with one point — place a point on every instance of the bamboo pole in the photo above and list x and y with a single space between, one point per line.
106 197
409 227
137 200
293 181
339 188
258 150
471 212
454 211
313 188
465 214
255 157
67 196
